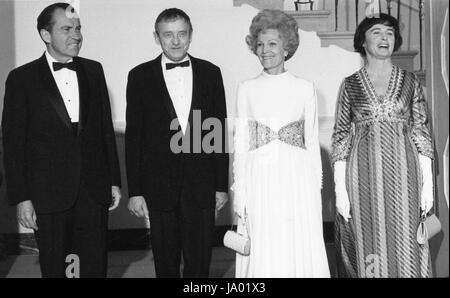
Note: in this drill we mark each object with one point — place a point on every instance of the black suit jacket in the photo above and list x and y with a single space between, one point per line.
44 158
153 169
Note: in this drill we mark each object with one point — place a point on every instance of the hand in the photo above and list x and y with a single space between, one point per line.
116 196
26 215
426 202
240 211
343 205
342 200
238 205
138 206
427 199
221 199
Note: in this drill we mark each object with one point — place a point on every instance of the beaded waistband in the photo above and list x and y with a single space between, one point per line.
261 134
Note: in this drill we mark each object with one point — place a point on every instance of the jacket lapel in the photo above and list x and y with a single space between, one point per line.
54 96
163 91
196 90
83 90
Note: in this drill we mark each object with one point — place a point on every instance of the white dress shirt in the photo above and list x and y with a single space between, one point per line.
67 83
179 84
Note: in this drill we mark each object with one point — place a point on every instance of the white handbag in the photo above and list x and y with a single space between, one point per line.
429 226
240 243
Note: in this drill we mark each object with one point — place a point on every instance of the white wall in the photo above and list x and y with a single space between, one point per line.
119 34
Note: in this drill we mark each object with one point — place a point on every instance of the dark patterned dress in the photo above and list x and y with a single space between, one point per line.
380 137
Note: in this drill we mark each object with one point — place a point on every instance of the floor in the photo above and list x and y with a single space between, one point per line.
133 264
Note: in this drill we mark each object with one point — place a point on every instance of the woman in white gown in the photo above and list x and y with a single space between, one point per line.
277 165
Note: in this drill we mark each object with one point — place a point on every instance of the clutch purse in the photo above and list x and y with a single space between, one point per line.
238 242
429 226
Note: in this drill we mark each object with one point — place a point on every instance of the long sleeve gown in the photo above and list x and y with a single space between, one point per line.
278 176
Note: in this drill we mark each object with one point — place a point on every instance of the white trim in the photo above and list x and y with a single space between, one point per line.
444 49
445 160
119 126
444 72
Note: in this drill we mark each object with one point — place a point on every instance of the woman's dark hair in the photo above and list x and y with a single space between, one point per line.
367 23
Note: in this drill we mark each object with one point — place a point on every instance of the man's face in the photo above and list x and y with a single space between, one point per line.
174 38
64 38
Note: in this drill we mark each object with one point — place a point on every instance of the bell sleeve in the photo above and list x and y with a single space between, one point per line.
420 131
342 132
241 148
312 135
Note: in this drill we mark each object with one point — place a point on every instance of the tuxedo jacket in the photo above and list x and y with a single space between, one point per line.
154 170
45 158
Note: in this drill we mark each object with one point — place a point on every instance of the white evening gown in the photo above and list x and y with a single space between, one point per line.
278 178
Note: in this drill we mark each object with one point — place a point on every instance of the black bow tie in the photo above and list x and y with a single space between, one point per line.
58 65
173 65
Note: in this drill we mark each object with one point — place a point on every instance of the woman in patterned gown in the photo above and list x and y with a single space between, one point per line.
277 165
382 160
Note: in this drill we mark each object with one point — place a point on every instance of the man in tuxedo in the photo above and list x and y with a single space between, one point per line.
168 99
60 152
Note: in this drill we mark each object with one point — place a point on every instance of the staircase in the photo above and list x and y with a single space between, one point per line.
322 22
340 31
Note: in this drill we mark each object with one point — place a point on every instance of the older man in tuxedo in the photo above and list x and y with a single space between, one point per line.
60 152
168 99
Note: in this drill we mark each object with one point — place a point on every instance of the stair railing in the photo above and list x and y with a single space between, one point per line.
388 8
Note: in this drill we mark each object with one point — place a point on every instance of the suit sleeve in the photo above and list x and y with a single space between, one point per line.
109 136
133 137
14 130
221 158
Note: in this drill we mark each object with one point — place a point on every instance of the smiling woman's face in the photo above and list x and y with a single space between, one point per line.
270 51
380 41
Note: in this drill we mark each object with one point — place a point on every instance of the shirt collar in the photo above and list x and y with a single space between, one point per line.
50 60
165 60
